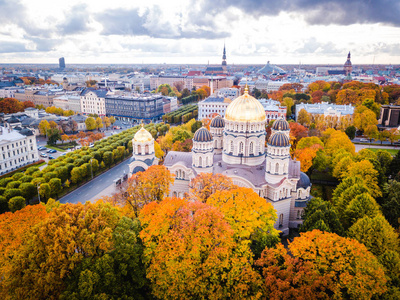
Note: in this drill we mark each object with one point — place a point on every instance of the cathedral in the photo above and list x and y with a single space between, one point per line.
235 147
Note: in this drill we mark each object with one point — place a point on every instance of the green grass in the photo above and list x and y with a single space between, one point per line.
55 148
393 152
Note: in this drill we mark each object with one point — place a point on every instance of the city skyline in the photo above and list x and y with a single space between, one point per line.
188 32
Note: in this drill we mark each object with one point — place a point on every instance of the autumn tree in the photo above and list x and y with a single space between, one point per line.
297 132
304 118
250 216
355 272
70 234
106 122
112 120
145 187
306 151
64 138
14 228
114 275
190 252
99 123
347 96
44 126
90 123
286 277
205 184
10 105
365 170
363 118
288 102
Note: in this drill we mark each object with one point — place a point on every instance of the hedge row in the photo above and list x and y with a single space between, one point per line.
73 168
190 99
183 114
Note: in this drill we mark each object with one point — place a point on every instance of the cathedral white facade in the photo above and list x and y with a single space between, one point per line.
235 147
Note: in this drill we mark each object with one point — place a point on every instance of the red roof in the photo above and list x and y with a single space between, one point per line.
194 73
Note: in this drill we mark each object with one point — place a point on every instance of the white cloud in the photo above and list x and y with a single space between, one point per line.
158 31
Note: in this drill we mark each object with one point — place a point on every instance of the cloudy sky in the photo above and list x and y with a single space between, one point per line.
194 31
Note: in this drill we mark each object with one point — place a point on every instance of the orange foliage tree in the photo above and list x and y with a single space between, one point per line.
14 228
191 253
306 151
355 272
70 233
205 184
286 277
145 187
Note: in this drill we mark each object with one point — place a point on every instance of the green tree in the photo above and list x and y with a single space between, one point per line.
362 205
10 193
3 204
77 175
54 135
16 203
90 123
320 214
391 202
28 190
44 191
351 132
55 186
108 158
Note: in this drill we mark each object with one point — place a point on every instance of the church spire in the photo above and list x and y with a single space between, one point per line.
224 57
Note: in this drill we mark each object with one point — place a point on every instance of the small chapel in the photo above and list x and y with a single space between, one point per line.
235 147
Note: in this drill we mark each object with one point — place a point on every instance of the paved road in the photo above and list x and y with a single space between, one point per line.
359 147
96 186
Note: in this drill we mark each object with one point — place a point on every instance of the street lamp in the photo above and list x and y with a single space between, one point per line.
91 167
38 191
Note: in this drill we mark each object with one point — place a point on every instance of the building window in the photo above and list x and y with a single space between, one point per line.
277 168
241 148
280 220
231 147
200 162
251 149
298 214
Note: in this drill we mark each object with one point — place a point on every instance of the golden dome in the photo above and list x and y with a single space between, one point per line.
142 136
245 108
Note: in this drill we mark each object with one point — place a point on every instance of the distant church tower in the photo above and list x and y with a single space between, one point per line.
347 65
224 57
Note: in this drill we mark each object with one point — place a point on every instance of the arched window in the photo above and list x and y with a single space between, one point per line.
180 174
183 174
277 168
176 174
174 194
280 220
200 162
251 148
206 161
146 149
241 148
139 149
242 128
231 147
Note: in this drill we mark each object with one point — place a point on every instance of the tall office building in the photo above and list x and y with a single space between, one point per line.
61 63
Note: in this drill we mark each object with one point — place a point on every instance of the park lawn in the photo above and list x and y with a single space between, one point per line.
393 152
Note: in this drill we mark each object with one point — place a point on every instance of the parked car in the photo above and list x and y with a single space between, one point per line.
41 148
51 157
43 154
91 145
62 154
52 151
363 140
